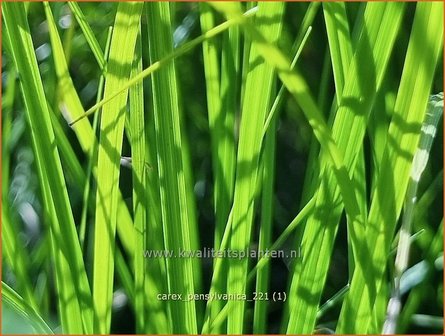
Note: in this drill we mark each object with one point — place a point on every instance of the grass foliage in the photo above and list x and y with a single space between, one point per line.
206 98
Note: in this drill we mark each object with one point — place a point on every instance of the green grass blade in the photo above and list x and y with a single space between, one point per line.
428 131
13 249
340 46
256 103
108 167
312 160
298 88
403 136
212 73
216 117
77 175
74 293
434 247
89 35
339 42
262 262
93 156
14 304
7 108
75 171
175 218
157 277
379 309
221 94
230 76
193 223
225 161
125 275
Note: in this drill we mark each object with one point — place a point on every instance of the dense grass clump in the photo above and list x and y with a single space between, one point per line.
222 167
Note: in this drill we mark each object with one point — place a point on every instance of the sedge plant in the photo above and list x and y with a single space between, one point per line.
153 152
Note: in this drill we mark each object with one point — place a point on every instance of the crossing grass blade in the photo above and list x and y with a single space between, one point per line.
268 199
340 46
89 35
262 262
403 135
71 108
74 293
175 216
267 202
77 177
157 277
121 57
7 107
13 303
256 103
